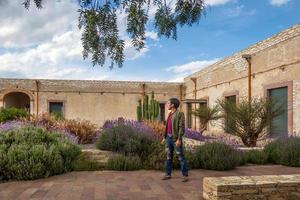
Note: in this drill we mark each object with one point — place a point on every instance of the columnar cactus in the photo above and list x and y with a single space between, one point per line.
148 111
139 110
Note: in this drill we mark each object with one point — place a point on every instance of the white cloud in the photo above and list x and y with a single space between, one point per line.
130 51
192 66
24 28
152 35
278 2
46 43
217 2
181 71
238 11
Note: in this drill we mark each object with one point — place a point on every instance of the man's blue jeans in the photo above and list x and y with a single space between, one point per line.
170 147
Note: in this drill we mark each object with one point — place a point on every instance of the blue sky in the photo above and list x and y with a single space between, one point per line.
46 43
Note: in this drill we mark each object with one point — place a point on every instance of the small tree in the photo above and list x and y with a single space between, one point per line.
207 114
249 120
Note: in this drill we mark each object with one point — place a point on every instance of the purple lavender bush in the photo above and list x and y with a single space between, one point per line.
138 127
14 124
192 134
19 124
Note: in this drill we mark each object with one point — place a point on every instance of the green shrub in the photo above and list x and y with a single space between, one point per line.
157 156
81 163
284 151
273 150
191 159
216 156
31 153
123 163
7 114
290 155
256 157
123 139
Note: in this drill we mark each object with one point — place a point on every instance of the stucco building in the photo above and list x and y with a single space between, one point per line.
275 71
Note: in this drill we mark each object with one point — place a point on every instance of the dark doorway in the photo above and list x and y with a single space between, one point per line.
17 100
162 112
229 125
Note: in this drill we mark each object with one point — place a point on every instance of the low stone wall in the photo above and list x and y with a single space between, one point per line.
273 187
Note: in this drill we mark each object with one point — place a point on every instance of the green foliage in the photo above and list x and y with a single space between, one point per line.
216 156
207 114
148 110
31 153
57 115
284 151
123 163
98 20
139 110
248 120
123 139
256 157
7 114
81 163
273 150
157 156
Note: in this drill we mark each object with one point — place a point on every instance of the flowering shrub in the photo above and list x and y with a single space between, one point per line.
85 131
14 124
138 127
189 133
30 153
157 126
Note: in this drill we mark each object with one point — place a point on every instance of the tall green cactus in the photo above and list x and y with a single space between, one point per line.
139 110
148 110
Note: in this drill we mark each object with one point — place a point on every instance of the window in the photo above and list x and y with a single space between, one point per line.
228 123
279 125
56 108
189 115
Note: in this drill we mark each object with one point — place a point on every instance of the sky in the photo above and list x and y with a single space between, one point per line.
45 44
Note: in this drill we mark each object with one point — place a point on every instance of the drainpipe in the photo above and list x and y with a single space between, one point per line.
248 59
194 79
37 82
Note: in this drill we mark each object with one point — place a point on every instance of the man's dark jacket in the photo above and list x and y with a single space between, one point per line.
178 125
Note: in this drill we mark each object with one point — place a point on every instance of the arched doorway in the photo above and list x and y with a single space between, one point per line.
17 100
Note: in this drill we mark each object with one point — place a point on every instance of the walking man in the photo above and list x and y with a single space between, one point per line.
173 139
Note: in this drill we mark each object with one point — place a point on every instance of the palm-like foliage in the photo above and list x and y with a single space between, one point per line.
98 20
249 120
207 114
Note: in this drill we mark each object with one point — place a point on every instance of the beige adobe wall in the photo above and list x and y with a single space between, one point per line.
96 101
272 65
296 108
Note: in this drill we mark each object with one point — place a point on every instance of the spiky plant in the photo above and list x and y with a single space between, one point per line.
207 114
249 120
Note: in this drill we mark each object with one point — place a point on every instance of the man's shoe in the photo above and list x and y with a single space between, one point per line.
166 177
185 179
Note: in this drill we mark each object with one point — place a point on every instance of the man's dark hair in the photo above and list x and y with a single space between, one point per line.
175 102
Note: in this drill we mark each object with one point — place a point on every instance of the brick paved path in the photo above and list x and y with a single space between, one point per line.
112 185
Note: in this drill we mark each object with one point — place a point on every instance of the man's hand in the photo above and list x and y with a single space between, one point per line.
178 143
163 141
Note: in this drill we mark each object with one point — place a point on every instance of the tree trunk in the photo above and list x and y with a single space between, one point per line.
250 142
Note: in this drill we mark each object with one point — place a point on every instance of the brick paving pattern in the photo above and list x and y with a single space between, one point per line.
114 185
